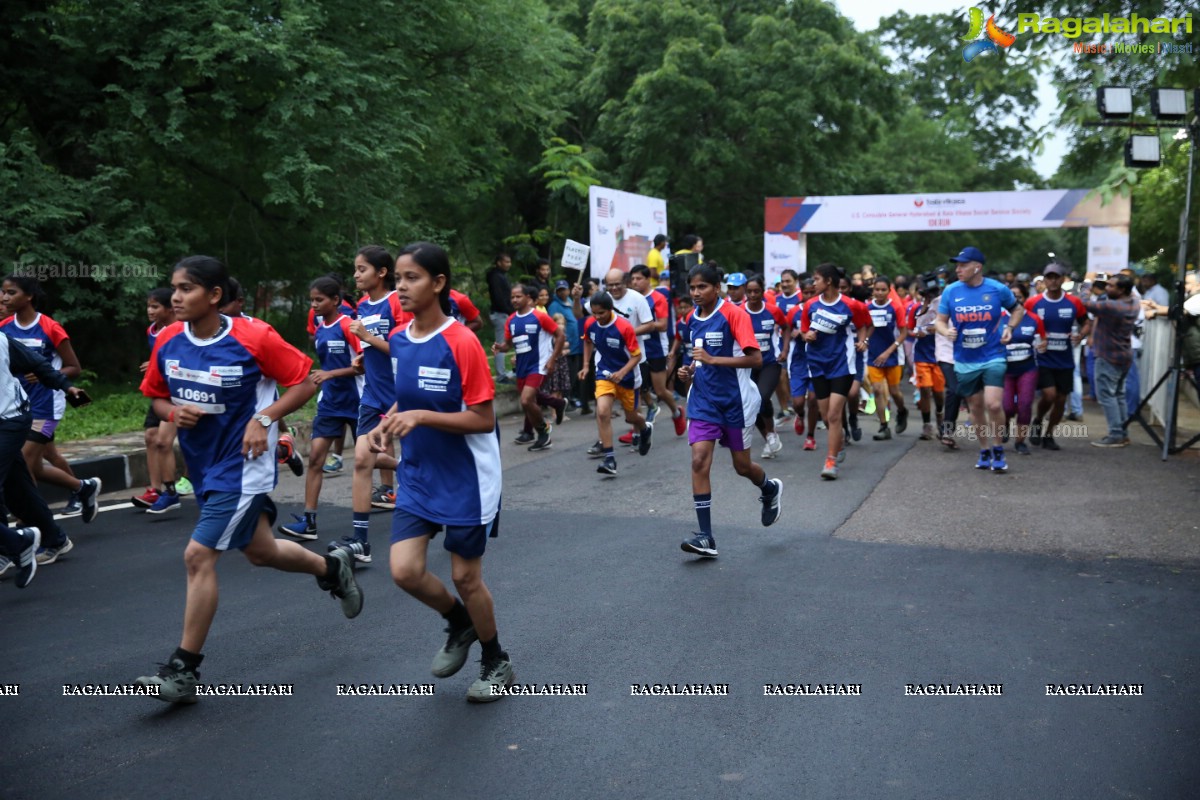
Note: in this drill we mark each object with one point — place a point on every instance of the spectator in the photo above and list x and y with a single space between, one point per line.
541 276
654 259
500 297
562 304
1116 314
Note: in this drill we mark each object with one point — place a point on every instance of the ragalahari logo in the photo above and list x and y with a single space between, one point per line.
994 36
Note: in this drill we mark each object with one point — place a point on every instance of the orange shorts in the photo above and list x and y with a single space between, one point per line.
929 376
881 374
626 397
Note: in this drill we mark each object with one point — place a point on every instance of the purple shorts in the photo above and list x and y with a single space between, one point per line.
41 431
736 439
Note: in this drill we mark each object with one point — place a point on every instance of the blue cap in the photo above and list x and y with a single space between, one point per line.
561 285
666 273
736 279
969 254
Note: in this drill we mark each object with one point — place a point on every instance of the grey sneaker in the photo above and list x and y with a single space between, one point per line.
596 451
1111 441
884 434
493 676
175 681
453 655
772 502
48 555
343 586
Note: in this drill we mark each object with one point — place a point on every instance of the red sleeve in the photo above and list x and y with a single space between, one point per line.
508 327
355 342
468 310
1031 302
312 322
477 385
901 317
1041 326
806 315
54 331
153 382
859 314
583 329
548 324
1080 311
778 316
910 319
631 340
401 316
741 327
278 360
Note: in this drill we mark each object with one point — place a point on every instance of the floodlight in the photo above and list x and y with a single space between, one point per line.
1142 152
1114 102
1170 104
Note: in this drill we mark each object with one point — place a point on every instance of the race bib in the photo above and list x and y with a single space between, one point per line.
1019 352
974 337
521 344
192 387
1058 341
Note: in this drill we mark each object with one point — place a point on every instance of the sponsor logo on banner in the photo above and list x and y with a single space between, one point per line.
984 38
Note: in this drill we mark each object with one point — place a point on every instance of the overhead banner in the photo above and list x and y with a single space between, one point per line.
966 211
623 226
1108 249
782 252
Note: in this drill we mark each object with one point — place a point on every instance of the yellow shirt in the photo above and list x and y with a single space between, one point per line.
654 259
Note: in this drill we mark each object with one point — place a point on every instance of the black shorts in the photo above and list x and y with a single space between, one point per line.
1063 380
644 368
823 387
657 364
152 420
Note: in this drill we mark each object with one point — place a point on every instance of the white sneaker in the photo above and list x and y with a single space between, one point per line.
774 444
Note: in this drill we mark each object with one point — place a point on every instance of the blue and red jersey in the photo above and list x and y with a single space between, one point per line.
614 344
787 303
723 395
42 336
798 354
768 324
532 337
924 347
657 342
1020 348
833 354
381 317
447 478
336 349
887 321
1059 318
461 307
230 378
975 313
344 308
684 337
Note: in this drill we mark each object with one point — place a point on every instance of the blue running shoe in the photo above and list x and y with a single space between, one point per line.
164 503
985 460
300 529
998 462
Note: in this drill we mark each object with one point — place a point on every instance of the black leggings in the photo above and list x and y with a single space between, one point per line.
766 378
953 399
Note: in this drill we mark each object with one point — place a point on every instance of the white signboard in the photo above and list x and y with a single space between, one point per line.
623 226
575 255
1108 249
783 252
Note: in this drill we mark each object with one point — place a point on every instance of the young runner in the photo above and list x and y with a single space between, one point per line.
787 298
861 398
333 461
768 322
159 435
611 341
722 402
1060 313
340 396
795 353
656 343
931 383
216 377
449 478
47 338
536 340
832 349
1020 378
884 361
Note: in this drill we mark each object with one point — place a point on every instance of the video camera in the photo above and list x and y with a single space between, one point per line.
929 284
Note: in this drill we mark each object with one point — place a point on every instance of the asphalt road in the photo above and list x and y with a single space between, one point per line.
591 588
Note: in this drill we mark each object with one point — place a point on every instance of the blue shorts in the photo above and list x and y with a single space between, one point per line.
467 541
332 427
736 439
369 418
862 367
801 383
229 519
973 377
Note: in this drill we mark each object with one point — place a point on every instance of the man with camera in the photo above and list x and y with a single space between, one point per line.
1116 313
922 323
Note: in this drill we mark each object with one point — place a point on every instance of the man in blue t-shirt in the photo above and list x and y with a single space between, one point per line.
970 314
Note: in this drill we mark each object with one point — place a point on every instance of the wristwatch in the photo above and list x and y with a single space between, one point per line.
264 420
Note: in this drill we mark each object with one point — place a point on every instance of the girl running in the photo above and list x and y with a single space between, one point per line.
832 349
48 339
1021 374
160 435
768 322
722 402
449 478
215 377
341 395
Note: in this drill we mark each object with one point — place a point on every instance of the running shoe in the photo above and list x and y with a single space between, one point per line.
356 547
543 441
841 455
702 544
644 439
74 506
821 426
143 500
558 415
285 453
343 586
524 437
608 467
998 462
772 502
926 432
798 426
901 420
89 497
494 675
300 529
1022 449
596 450
810 443
985 460
680 421
830 472
626 438
652 412
948 440
773 446
868 407
1048 443
1035 433
27 561
855 432
165 503
183 487
176 681
48 555
884 434
453 655
333 464
1108 441
6 564
383 497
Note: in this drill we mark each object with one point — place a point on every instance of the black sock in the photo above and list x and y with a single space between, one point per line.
190 660
169 487
457 616
491 650
925 417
